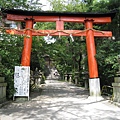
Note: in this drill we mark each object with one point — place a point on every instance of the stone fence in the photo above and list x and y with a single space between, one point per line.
68 77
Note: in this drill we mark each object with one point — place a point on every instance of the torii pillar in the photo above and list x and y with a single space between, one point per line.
26 53
94 81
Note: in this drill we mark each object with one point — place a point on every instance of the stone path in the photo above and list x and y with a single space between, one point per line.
60 101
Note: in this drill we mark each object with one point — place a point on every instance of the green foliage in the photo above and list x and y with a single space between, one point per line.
10 51
42 79
107 54
70 5
57 5
37 55
20 4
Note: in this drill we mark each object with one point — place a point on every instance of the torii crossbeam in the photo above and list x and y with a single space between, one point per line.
88 19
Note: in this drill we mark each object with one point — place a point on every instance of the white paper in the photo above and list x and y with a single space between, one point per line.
22 80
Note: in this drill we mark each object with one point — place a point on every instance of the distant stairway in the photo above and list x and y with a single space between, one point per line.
53 74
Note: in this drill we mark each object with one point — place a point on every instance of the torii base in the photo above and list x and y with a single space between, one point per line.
94 88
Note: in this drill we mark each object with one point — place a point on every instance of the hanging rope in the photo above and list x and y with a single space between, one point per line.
88 30
57 31
64 31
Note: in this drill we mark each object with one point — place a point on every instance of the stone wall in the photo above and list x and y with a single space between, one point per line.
2 90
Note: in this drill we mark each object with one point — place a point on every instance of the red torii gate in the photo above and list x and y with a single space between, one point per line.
88 19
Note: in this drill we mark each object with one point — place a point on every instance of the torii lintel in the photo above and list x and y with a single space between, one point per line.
52 16
41 18
59 18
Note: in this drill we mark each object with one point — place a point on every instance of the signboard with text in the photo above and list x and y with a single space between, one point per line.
22 80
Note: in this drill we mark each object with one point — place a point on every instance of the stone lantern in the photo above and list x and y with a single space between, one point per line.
116 85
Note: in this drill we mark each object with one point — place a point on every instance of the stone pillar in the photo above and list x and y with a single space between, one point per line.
70 78
3 86
116 85
116 89
76 77
85 78
94 87
65 77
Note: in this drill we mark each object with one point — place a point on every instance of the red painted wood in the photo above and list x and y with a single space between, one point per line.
45 18
26 53
17 17
59 25
98 20
62 33
91 50
73 19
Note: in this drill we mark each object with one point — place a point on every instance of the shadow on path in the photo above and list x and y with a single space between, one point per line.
60 101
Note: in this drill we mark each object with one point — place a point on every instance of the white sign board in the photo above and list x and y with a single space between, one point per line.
22 81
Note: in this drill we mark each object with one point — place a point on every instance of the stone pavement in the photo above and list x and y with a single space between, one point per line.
60 101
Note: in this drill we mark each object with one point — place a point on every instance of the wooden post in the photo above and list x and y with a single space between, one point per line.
26 53
91 50
59 25
94 82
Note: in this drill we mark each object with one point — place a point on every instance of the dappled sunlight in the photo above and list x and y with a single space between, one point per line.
60 101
